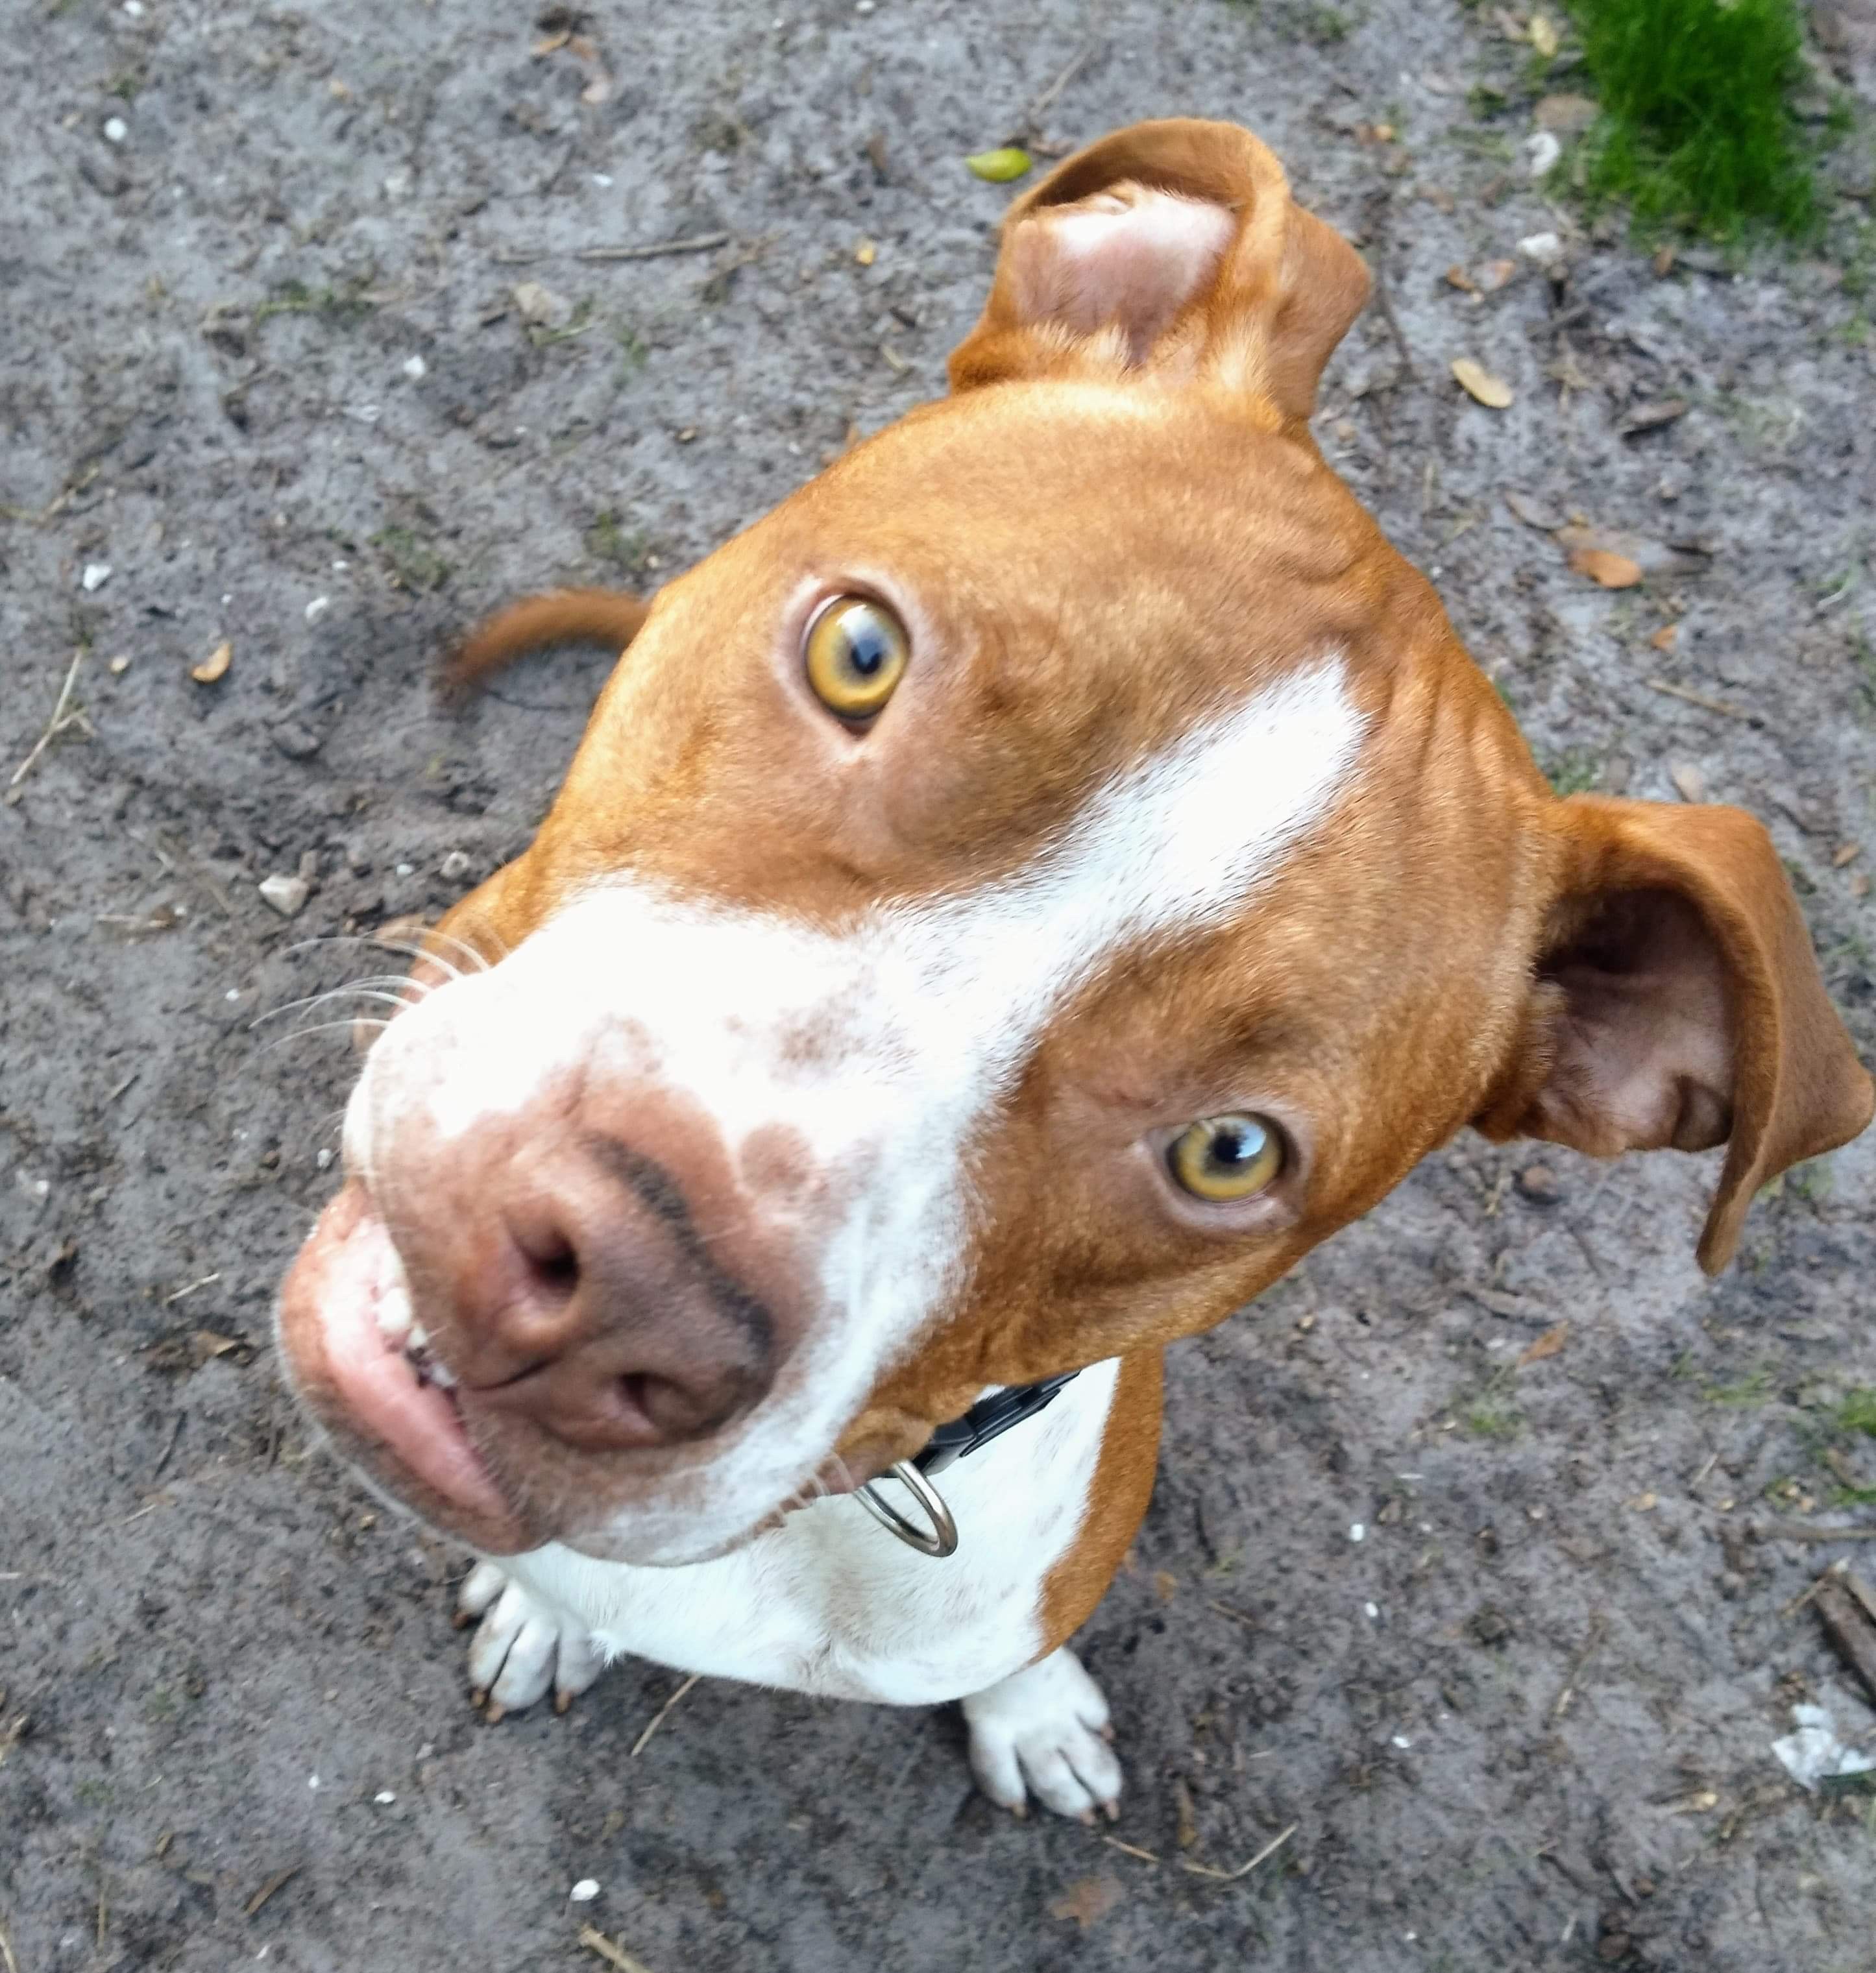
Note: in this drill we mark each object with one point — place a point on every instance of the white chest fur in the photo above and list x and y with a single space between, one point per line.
828 1602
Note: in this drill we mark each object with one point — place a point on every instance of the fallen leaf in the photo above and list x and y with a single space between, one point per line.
1533 513
1457 277
1566 114
1612 571
584 47
1494 275
1649 416
1087 1901
541 306
214 665
1666 638
547 44
1000 166
1689 783
1543 35
1548 1344
1165 1584
865 252
1478 382
1845 853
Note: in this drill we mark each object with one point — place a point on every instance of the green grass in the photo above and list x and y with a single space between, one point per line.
1486 1420
1750 1390
1698 132
1856 1413
1575 771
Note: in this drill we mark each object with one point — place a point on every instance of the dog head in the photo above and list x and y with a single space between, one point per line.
1009 904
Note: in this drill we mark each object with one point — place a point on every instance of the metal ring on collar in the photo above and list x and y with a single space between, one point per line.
942 1538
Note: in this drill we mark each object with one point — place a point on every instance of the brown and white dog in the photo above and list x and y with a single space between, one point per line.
1013 901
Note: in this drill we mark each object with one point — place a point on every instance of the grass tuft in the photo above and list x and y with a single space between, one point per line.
1698 131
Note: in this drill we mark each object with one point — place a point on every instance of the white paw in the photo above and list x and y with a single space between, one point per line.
521 1647
1045 1732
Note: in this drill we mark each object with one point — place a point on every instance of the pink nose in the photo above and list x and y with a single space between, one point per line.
585 1298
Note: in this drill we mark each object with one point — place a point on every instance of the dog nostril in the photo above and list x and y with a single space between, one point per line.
552 1261
673 1410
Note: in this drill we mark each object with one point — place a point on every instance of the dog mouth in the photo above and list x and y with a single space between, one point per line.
367 1372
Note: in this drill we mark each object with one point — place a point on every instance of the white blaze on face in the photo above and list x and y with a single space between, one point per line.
881 1048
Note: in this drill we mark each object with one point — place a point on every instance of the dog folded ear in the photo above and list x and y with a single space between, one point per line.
1169 250
1677 1002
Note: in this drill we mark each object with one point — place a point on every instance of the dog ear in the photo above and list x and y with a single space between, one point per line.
1172 248
1677 1002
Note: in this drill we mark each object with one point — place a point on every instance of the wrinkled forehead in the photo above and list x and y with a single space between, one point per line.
1086 594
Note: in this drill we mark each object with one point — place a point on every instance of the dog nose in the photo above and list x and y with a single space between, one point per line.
593 1308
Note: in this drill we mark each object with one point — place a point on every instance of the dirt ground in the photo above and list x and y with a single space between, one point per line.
263 362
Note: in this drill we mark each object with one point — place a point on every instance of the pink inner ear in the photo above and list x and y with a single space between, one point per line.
1129 259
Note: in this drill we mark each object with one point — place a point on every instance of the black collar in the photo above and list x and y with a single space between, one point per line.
988 1418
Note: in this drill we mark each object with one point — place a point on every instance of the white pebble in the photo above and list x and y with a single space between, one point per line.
323 1161
116 129
454 865
414 367
383 1797
134 8
1356 1531
312 1781
585 1891
96 575
405 869
1541 152
340 566
1373 1611
287 895
601 179
1400 1740
317 608
1540 246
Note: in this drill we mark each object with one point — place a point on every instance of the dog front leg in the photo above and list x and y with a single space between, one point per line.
1045 1731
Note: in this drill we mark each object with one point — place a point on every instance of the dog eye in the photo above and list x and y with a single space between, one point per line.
1223 1159
855 656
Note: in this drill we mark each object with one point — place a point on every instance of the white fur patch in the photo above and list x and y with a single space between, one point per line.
884 1047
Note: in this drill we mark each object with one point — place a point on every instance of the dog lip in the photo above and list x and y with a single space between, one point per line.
408 1429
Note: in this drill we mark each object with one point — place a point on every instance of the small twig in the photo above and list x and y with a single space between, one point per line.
1032 116
1804 1531
1712 1461
657 1719
1598 1631
190 1289
11 1965
272 1884
596 1940
54 726
1807 1595
53 508
1385 301
698 243
1236 1616
1130 1848
169 1446
1270 1849
1706 703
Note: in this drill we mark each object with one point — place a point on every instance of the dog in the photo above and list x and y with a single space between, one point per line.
1008 906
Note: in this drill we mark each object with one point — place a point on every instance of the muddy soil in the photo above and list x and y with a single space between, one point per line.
265 381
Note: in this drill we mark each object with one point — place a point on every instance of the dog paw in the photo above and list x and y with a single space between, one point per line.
1045 1732
522 1647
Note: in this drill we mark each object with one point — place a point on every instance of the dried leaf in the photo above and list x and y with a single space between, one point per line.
1689 783
214 665
1566 114
1548 1344
1647 417
1612 571
1000 167
1666 637
1478 382
1495 274
548 44
1845 853
1165 1584
541 306
1087 1901
866 252
1457 277
1543 35
1533 513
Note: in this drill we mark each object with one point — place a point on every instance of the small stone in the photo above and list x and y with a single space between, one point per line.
116 129
866 252
119 666
1541 153
1538 1184
1357 1532
1540 246
295 741
384 1798
286 895
1689 783
317 608
454 867
96 575
541 306
414 367
585 1891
